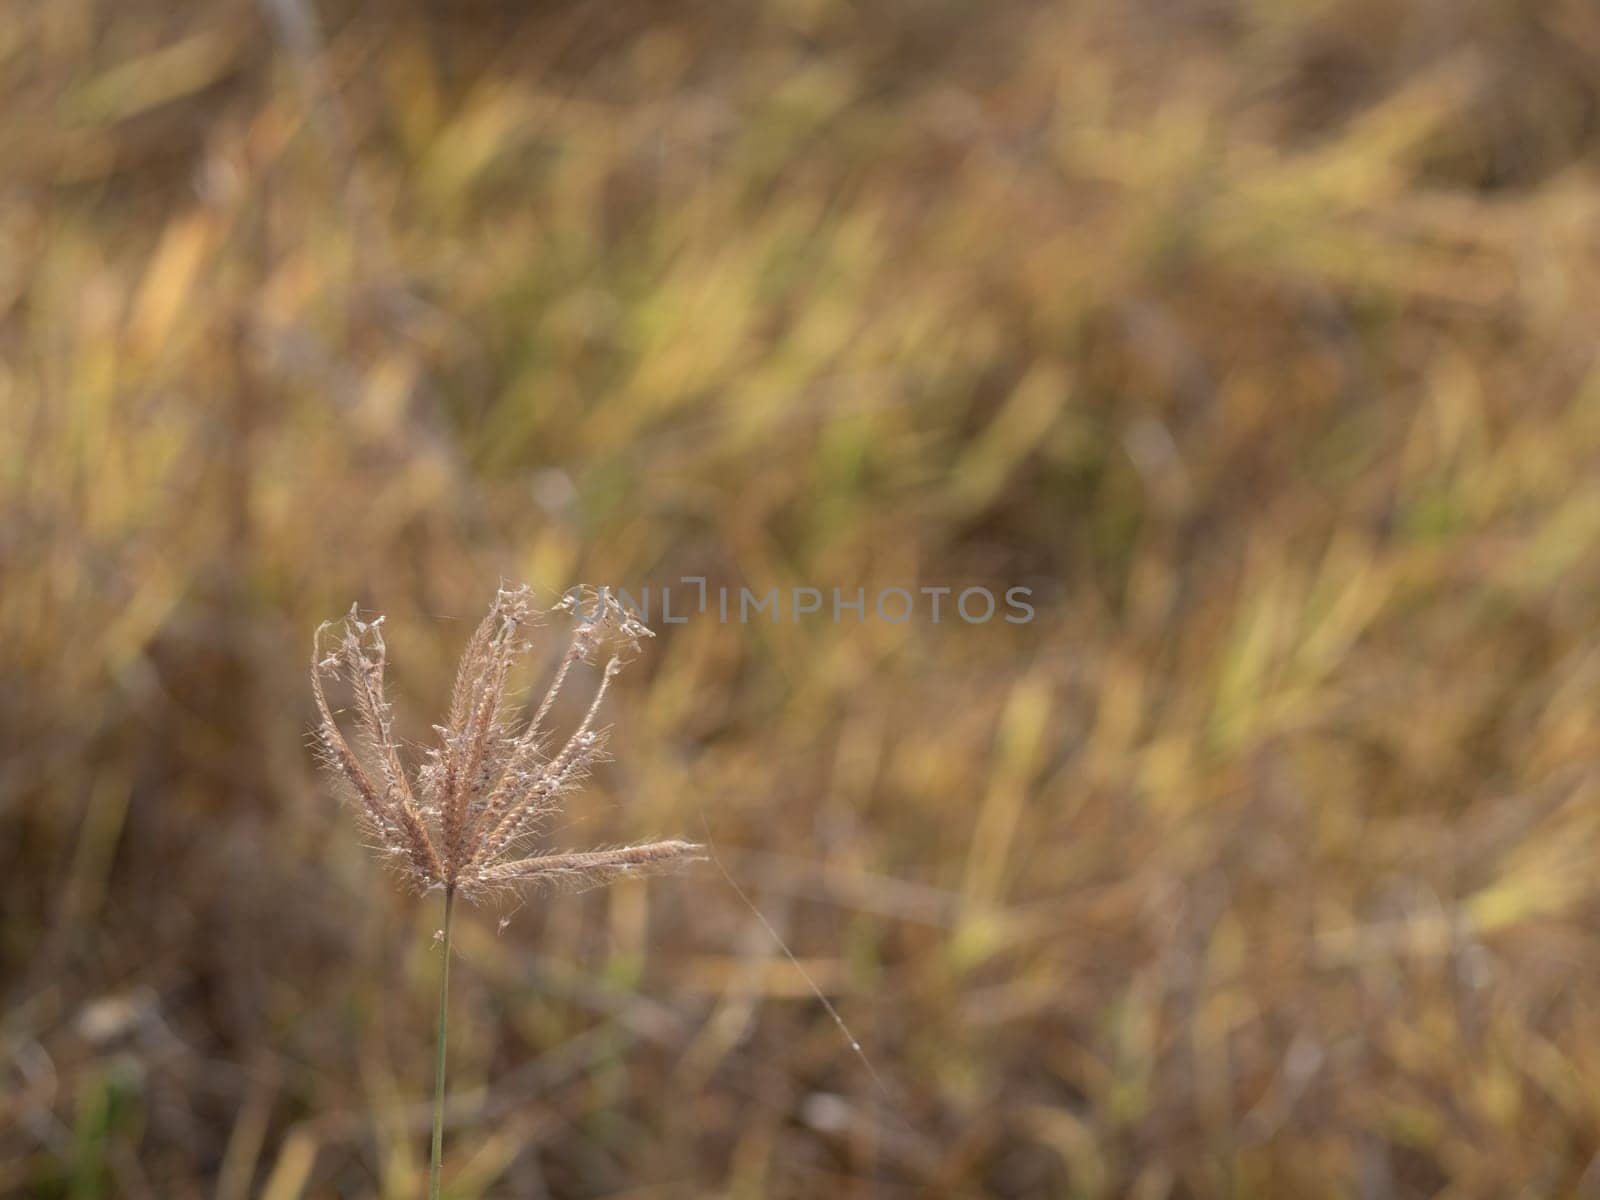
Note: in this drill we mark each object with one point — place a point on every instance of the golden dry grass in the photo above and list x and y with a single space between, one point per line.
1257 339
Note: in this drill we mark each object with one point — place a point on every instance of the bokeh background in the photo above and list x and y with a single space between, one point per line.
1259 339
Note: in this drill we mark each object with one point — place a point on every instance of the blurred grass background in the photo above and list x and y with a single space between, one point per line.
1258 339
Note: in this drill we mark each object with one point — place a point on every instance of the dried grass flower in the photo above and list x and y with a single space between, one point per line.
486 791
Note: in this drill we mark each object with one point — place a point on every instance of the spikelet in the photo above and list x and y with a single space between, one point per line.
493 781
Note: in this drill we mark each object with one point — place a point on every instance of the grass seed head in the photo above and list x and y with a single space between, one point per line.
464 820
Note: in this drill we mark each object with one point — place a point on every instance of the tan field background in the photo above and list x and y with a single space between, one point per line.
1258 339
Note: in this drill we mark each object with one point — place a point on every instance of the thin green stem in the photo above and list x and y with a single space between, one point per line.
438 1083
